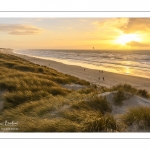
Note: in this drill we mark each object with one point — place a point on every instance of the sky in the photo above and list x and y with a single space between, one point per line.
75 33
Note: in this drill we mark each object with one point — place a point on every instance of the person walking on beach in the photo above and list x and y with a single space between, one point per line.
84 69
103 79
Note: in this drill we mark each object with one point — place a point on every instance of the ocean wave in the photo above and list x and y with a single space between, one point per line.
137 60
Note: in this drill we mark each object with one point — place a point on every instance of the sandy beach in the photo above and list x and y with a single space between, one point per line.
91 75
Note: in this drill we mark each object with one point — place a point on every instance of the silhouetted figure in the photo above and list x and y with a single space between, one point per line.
99 70
102 71
84 69
103 79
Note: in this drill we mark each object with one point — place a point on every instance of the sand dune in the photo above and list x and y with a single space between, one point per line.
73 86
130 102
92 76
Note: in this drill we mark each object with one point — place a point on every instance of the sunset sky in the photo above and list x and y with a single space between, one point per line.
75 33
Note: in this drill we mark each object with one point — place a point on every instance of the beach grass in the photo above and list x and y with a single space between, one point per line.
24 81
130 89
106 123
143 93
139 116
124 87
34 96
119 97
93 103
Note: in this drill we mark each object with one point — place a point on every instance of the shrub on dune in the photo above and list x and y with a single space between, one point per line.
119 97
94 103
88 90
130 89
143 93
13 99
105 123
124 87
139 116
48 125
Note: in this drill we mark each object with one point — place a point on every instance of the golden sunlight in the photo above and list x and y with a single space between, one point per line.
125 38
127 70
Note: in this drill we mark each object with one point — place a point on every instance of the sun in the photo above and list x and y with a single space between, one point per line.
126 38
127 70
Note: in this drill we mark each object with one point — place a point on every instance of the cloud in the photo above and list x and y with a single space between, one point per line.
136 25
112 23
127 25
137 44
108 28
16 29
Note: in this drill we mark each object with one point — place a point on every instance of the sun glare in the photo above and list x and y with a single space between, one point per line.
125 38
127 70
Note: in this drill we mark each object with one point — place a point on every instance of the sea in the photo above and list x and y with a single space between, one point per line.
135 62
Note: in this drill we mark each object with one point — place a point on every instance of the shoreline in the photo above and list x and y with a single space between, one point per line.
91 75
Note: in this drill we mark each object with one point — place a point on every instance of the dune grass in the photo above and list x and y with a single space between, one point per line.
93 103
119 97
143 93
139 116
57 113
25 81
105 123
34 96
124 87
47 125
130 89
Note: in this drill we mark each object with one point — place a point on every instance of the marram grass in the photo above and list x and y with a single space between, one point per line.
33 95
139 116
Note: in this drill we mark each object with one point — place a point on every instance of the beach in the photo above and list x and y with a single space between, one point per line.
92 75
54 97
